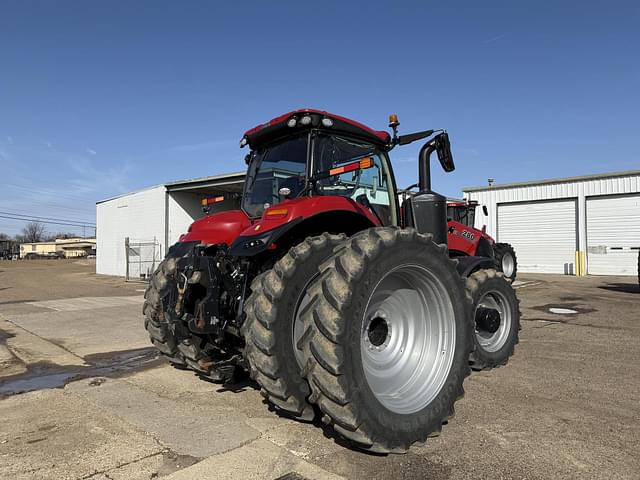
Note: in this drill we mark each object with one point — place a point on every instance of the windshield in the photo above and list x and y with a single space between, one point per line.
274 167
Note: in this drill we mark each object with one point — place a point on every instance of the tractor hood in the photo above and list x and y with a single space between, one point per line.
223 227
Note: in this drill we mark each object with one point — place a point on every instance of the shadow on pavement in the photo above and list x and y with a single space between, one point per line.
621 287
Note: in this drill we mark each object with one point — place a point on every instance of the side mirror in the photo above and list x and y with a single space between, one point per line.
485 210
247 158
443 148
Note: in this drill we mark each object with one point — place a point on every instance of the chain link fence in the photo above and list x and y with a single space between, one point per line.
142 258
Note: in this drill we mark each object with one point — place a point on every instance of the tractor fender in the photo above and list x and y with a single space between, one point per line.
300 218
467 265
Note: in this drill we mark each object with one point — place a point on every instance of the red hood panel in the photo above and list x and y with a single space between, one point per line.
306 207
223 227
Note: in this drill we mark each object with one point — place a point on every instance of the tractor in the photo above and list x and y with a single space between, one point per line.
465 239
340 303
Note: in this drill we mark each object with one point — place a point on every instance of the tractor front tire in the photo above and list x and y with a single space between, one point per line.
506 261
388 337
271 335
497 319
171 336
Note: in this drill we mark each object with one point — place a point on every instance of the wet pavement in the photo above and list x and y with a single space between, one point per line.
43 375
82 395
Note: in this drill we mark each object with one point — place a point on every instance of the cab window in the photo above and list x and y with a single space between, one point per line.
371 187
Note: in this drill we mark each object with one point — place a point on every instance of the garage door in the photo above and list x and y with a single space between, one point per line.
542 233
613 235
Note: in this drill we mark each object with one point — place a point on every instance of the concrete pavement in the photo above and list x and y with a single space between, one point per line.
104 407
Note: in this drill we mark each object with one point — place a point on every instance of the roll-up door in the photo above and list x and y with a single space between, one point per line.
613 235
543 234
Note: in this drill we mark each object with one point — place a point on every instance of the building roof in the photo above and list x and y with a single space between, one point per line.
234 178
582 178
227 179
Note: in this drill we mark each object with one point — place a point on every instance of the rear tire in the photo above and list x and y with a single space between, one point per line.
272 310
506 260
495 337
387 291
171 336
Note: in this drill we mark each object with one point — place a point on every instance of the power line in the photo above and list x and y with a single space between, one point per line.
51 192
49 222
35 201
55 219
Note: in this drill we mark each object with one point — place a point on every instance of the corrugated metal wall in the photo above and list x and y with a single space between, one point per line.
580 190
139 216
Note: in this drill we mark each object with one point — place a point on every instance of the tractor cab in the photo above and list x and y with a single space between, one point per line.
462 211
312 153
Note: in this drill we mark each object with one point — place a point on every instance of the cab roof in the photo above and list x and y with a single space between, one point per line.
278 127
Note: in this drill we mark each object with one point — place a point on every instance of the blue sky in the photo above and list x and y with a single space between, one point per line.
101 98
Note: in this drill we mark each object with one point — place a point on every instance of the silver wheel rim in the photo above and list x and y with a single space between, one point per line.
494 341
407 341
507 264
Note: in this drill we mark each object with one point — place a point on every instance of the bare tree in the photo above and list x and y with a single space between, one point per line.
4 236
33 232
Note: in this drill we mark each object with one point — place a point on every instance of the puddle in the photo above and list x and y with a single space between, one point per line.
38 382
562 311
47 375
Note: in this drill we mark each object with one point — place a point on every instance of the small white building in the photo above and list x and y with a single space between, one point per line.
579 225
134 230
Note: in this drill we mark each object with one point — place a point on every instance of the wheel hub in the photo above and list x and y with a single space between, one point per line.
377 334
493 318
488 319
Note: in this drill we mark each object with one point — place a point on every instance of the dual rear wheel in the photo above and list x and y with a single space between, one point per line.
379 341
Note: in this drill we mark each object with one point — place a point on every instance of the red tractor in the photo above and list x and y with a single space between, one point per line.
334 298
465 239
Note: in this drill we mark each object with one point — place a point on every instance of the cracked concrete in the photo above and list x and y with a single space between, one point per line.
566 405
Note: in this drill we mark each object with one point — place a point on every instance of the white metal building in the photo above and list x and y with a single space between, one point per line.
579 225
134 230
